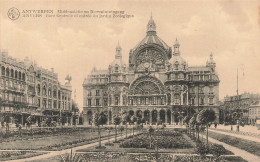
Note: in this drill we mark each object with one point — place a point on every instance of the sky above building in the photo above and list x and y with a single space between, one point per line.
228 29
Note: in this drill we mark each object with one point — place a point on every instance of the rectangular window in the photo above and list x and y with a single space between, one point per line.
44 102
169 76
39 102
117 100
116 69
124 100
201 101
211 90
176 99
97 102
146 100
89 102
206 77
192 101
105 102
49 104
211 101
55 104
97 93
131 101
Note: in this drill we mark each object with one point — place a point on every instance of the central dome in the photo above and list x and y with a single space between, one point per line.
151 37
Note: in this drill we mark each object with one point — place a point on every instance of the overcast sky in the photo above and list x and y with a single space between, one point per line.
228 29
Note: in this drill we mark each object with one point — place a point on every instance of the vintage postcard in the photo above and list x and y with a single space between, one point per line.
126 81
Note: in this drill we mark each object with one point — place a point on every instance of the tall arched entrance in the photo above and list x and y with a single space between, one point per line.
131 112
154 116
162 116
147 116
169 116
139 114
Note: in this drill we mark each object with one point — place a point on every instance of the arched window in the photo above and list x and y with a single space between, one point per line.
169 98
176 65
3 70
116 68
12 73
38 89
49 92
184 99
54 93
16 74
110 100
7 72
44 90
177 99
202 101
23 77
59 94
20 75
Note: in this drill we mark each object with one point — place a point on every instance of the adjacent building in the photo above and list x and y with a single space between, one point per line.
236 107
241 107
157 84
254 113
29 90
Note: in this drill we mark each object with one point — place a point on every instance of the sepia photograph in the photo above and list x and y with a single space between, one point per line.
130 81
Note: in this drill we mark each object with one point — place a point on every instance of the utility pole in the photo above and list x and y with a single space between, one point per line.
198 99
237 82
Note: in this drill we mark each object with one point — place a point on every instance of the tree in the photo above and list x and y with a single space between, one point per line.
100 118
133 120
150 131
29 122
75 109
193 123
126 119
205 117
121 130
117 121
186 120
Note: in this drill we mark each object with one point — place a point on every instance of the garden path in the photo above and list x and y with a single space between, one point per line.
57 153
237 152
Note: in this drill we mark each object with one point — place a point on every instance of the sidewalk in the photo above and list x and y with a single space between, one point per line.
251 138
237 152
247 129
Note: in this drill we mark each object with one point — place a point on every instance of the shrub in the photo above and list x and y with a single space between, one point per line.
202 149
217 150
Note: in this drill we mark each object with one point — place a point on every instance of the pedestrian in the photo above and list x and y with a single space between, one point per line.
7 126
231 128
216 125
238 128
20 129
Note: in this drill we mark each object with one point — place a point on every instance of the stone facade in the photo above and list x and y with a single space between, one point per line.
157 84
234 105
254 113
29 90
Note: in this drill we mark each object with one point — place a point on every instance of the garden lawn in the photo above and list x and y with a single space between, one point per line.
14 155
249 146
44 143
168 141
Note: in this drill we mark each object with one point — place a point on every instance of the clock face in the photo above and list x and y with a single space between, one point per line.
146 65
